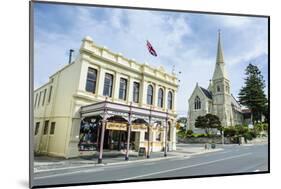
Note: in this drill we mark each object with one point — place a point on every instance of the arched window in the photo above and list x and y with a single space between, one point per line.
160 98
227 88
170 100
218 88
197 103
149 99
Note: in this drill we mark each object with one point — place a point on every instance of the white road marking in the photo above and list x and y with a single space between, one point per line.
222 152
179 168
70 173
149 163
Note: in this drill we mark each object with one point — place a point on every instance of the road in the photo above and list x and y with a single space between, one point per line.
232 159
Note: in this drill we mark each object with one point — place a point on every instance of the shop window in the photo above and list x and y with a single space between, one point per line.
91 80
53 126
46 127
89 135
146 136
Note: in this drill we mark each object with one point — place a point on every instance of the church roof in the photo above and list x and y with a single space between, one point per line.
235 102
207 93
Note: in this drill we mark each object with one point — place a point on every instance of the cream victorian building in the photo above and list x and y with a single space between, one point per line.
104 101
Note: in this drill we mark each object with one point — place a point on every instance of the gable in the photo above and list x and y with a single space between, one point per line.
207 93
198 92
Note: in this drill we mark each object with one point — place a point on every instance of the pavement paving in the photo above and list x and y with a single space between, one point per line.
47 164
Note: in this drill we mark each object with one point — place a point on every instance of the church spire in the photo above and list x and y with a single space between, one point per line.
219 52
219 68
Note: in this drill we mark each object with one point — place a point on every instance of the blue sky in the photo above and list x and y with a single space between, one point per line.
186 40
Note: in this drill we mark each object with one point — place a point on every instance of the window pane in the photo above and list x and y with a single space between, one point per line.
36 98
91 80
37 127
108 81
46 127
44 96
50 93
52 131
146 136
218 88
170 100
123 89
149 95
160 98
39 98
136 92
197 103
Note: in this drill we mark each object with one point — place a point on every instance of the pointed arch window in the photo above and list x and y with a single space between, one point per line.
149 95
218 88
170 100
160 98
197 103
227 88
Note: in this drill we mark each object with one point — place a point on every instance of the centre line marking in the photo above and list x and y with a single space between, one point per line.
179 168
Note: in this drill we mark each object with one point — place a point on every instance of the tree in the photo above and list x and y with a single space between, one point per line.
208 122
252 93
230 131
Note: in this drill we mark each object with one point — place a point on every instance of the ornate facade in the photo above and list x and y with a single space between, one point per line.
98 75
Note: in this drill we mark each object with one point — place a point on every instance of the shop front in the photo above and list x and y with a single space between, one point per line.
117 127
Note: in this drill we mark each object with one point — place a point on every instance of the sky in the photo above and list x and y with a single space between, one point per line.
187 41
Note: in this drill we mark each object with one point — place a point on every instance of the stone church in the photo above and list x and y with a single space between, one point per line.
217 98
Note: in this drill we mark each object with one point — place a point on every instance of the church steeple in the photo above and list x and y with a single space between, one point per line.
219 51
219 69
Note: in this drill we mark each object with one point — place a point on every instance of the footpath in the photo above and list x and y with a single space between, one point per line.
48 164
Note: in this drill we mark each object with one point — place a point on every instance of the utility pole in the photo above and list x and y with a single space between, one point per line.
222 137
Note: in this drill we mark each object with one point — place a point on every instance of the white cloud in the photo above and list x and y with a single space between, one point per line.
126 31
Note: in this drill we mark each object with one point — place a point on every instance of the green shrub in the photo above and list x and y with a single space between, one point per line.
253 133
241 130
265 126
189 132
181 134
230 131
248 136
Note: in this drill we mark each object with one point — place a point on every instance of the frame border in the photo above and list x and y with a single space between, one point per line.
31 88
